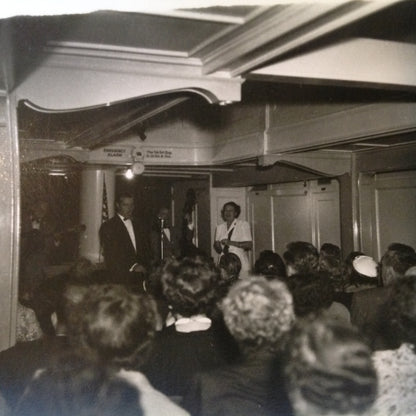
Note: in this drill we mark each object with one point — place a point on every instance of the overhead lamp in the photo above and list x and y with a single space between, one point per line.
129 173
136 168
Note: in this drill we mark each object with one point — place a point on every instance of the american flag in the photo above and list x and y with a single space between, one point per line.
104 209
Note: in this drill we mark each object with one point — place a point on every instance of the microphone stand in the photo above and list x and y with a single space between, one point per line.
162 225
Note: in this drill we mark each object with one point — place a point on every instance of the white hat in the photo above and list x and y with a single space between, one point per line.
365 265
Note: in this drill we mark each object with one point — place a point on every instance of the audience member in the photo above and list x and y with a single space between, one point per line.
314 294
369 307
364 274
112 325
301 257
396 368
4 408
19 363
258 313
28 328
115 327
329 370
270 265
189 343
82 389
230 267
330 262
396 261
39 242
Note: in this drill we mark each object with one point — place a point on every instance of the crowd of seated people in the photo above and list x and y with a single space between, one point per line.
306 334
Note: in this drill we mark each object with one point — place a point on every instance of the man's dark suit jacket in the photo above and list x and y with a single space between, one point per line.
119 252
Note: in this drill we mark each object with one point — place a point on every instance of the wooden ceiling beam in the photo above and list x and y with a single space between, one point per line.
359 61
282 29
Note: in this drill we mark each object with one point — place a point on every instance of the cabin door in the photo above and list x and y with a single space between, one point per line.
299 211
387 210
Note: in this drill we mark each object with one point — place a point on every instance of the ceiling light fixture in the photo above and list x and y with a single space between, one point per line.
129 174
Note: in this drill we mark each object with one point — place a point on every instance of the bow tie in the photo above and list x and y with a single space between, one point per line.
126 218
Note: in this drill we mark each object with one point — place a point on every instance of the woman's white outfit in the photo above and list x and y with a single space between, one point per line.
240 232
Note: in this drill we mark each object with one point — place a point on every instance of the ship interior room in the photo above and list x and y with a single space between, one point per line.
304 113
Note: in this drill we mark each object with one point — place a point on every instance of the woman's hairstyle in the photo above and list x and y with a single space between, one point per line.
328 249
402 309
328 369
270 263
82 389
311 293
230 266
303 257
258 312
113 325
236 207
330 261
396 261
190 285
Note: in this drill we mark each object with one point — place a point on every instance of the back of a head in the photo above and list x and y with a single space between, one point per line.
329 369
82 389
190 285
113 325
312 293
330 261
270 263
301 257
231 264
328 249
402 309
396 261
258 312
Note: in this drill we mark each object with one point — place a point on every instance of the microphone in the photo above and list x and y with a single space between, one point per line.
162 223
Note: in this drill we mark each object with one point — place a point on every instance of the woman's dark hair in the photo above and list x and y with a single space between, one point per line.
190 285
236 207
231 263
270 263
302 256
329 369
82 389
330 262
113 325
311 293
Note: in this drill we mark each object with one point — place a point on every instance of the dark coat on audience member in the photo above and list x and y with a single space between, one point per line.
369 312
19 363
253 386
178 356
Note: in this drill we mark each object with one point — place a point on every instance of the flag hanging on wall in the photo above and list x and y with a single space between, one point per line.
104 209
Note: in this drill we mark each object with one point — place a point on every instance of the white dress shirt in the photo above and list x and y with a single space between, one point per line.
129 225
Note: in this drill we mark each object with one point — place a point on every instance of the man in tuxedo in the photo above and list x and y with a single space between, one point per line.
124 246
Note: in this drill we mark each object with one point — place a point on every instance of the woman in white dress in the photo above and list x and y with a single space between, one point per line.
234 236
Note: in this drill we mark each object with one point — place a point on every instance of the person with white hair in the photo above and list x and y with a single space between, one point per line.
258 313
